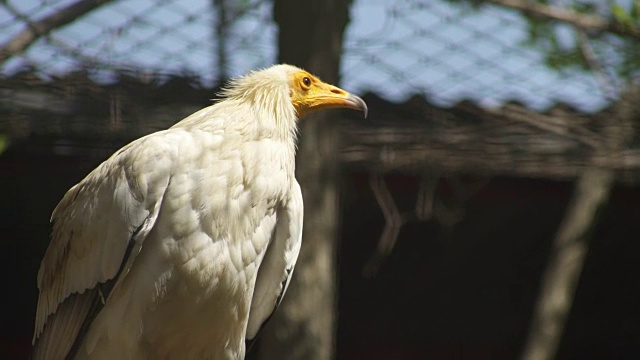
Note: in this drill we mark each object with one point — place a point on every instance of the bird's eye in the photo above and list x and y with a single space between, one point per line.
306 81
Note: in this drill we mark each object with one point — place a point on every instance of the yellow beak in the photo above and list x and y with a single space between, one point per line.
326 96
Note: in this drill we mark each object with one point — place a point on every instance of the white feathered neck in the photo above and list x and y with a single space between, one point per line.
267 93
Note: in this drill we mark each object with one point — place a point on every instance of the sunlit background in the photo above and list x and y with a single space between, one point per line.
483 122
441 49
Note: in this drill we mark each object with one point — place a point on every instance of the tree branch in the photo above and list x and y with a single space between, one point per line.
571 243
585 22
21 41
565 266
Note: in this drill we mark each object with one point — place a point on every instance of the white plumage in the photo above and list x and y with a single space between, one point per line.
181 244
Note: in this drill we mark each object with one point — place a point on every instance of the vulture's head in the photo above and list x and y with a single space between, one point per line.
282 87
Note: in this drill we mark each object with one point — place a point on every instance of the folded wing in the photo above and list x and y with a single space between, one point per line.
278 264
99 228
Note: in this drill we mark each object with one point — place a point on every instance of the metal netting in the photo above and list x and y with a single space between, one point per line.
445 50
155 37
451 52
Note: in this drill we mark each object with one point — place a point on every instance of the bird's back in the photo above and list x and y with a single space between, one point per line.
195 270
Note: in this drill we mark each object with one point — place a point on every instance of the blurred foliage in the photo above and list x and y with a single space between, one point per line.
629 18
565 47
559 50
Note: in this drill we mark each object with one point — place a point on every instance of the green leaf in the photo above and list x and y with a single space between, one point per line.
620 15
635 11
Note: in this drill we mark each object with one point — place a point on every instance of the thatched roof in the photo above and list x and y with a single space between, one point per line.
414 136
512 139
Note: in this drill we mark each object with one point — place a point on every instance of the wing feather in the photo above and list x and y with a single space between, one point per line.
278 264
99 227
69 319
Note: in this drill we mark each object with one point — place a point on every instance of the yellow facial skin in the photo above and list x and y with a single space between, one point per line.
309 94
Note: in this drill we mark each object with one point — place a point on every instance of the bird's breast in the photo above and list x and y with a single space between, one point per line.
217 218
203 297
218 214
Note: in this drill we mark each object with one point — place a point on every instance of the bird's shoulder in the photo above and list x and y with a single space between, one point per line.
94 221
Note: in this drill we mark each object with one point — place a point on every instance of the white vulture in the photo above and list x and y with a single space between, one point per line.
182 243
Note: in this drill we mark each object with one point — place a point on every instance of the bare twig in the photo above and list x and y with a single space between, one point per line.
452 212
585 22
394 219
606 83
545 123
426 195
36 29
393 223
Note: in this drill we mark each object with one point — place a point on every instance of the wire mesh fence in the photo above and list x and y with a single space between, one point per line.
445 50
449 52
153 37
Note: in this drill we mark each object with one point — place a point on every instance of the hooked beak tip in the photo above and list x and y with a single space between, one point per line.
359 104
